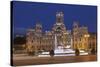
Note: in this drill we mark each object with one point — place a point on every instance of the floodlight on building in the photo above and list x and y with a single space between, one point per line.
87 35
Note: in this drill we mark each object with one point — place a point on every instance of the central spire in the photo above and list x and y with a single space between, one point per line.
59 17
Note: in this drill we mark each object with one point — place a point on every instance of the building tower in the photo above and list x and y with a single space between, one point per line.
33 38
59 29
80 37
38 29
59 26
59 17
38 36
29 39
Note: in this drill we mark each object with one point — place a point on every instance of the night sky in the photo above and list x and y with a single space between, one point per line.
27 14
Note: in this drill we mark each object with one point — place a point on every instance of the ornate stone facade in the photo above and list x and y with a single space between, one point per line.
80 37
93 41
38 40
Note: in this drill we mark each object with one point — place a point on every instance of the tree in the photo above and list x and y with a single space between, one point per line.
19 40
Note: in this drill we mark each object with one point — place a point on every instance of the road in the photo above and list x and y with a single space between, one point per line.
52 60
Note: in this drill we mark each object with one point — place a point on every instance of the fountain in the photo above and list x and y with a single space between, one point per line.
61 49
55 41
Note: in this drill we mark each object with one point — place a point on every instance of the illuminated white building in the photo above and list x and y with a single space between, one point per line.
80 37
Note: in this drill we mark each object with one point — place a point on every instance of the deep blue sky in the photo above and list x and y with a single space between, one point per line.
26 14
